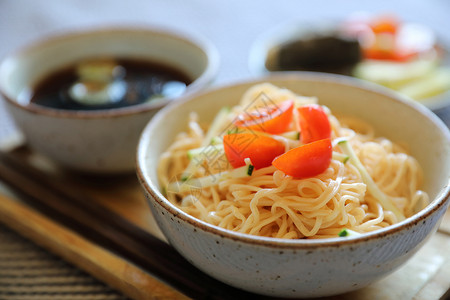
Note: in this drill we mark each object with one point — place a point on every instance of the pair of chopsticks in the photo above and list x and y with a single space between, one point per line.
71 208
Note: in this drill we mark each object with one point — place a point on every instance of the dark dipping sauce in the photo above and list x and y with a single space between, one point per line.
139 81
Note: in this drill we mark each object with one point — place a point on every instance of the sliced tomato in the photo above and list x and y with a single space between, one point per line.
314 123
394 55
390 41
260 149
307 160
385 46
385 23
271 119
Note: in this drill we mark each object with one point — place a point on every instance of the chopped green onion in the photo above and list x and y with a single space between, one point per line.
250 170
340 157
216 140
233 130
347 232
292 135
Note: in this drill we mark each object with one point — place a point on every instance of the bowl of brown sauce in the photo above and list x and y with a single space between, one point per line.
83 98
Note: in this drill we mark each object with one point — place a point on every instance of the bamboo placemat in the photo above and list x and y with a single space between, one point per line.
29 272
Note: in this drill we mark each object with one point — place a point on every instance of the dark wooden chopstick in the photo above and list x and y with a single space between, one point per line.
106 228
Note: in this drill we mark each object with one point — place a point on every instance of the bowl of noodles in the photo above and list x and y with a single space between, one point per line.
296 185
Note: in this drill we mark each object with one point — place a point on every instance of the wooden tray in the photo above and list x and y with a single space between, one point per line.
425 276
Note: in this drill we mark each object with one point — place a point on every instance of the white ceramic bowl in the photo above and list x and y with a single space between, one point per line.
304 268
101 141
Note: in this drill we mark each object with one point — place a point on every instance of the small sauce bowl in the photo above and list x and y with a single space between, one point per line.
103 140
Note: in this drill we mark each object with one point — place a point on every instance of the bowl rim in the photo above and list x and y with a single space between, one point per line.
441 200
196 40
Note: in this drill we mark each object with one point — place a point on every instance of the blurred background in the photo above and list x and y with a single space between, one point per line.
231 25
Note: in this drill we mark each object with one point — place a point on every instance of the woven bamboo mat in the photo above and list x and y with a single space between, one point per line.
28 272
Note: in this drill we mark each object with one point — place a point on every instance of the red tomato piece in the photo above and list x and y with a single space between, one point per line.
272 119
307 160
389 41
314 123
385 46
260 149
394 55
386 23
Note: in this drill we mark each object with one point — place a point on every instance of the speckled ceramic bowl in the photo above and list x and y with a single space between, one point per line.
304 268
101 141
